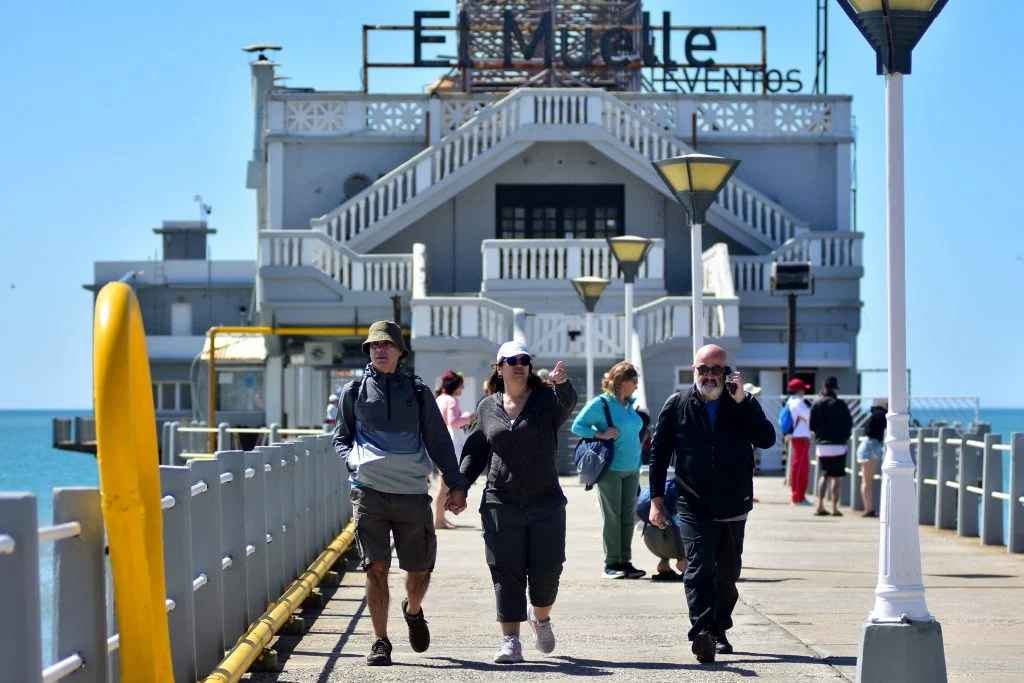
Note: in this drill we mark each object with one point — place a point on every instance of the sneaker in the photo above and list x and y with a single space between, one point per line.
510 652
631 572
613 571
545 637
419 634
380 653
724 647
704 647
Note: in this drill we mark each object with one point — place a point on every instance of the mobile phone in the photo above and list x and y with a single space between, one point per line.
729 386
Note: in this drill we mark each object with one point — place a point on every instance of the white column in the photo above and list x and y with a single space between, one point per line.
627 336
275 186
697 285
588 344
900 590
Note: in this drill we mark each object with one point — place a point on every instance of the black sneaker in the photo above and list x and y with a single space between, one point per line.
724 647
704 647
631 572
380 653
419 634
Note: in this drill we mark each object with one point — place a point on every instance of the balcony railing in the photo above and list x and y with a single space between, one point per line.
824 251
357 272
516 261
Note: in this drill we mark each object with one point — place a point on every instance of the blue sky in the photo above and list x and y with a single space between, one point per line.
117 113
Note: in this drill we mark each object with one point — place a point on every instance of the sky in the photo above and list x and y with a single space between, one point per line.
116 114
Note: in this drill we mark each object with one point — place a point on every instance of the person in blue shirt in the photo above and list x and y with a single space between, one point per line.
618 487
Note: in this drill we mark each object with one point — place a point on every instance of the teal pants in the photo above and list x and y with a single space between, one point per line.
618 491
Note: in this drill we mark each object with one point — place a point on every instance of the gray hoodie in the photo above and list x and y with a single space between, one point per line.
391 434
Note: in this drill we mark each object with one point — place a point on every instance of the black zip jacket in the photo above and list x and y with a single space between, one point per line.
714 466
519 456
831 421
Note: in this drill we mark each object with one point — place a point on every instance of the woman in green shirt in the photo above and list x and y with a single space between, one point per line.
618 487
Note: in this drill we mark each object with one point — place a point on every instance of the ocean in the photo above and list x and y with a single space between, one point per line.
28 463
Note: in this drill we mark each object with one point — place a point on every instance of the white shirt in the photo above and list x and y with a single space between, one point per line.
826 450
801 413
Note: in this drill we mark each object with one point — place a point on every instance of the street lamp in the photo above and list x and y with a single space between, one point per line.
589 290
630 251
696 180
901 640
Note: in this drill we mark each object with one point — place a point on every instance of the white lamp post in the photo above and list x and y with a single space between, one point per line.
630 251
589 290
696 180
901 640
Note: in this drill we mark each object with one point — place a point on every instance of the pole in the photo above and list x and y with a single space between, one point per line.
791 337
627 337
211 387
697 285
590 354
900 590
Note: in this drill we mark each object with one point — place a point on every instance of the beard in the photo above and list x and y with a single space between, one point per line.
710 390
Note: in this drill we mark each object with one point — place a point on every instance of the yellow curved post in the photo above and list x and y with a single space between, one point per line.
130 483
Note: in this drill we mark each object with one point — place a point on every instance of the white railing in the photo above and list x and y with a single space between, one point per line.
823 250
358 272
494 125
462 317
328 114
670 317
561 259
556 335
717 274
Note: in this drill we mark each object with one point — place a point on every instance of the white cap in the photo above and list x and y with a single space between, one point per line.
510 349
751 389
333 398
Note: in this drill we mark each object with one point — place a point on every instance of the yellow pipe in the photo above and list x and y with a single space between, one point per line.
211 372
238 660
126 454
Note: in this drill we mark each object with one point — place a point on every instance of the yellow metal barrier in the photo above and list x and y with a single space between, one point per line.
261 632
130 483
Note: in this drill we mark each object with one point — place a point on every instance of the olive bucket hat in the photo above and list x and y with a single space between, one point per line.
385 330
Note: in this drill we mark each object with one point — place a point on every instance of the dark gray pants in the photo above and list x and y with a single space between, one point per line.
525 548
714 551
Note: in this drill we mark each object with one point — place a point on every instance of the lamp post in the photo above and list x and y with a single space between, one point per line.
901 640
630 251
695 180
589 290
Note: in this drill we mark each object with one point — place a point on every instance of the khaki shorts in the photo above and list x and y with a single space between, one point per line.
407 517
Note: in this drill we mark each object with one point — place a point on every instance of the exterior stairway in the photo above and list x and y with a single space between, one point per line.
501 130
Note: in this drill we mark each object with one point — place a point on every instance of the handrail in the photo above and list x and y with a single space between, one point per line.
126 452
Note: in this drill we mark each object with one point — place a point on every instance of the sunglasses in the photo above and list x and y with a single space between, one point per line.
517 360
713 370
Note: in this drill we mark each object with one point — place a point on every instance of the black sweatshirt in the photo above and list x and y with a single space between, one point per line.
519 456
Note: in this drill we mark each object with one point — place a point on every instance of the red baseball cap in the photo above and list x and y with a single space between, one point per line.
797 384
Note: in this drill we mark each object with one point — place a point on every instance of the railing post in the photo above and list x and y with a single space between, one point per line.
845 492
945 499
595 108
286 484
519 325
925 470
79 584
232 533
223 438
1016 531
492 260
966 503
274 541
814 472
854 488
207 554
20 630
991 480
170 455
273 437
175 481
257 569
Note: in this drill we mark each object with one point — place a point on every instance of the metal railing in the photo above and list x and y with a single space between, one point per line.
183 441
238 528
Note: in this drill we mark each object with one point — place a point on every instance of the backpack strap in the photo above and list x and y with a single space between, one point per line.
607 412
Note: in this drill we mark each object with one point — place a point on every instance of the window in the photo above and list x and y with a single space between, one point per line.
172 397
181 319
240 389
557 211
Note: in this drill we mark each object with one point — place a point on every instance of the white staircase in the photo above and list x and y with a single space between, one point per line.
501 130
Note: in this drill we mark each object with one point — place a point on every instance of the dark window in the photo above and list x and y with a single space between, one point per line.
556 211
184 396
167 396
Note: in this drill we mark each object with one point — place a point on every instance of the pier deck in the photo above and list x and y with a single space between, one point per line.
807 587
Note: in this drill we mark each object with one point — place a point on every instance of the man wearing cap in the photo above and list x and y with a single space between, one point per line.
832 426
391 434
799 441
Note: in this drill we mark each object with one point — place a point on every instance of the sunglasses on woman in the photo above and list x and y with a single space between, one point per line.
516 360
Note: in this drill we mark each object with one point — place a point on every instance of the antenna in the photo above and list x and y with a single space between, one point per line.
821 48
260 48
204 208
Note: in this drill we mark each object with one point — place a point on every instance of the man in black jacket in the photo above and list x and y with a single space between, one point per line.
832 426
711 430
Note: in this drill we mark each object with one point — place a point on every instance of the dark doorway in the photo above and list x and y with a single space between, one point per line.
557 211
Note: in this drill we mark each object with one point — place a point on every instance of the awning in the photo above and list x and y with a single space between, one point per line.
248 348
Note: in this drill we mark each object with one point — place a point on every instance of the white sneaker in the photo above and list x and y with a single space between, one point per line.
510 652
542 632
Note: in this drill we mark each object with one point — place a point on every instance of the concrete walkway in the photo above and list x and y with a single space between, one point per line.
807 586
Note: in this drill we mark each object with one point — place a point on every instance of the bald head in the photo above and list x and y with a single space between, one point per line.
710 383
710 354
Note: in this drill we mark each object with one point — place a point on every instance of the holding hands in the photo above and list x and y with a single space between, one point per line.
456 501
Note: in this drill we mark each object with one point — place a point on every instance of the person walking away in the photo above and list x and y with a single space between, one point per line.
869 455
522 508
391 435
799 441
447 396
331 417
711 430
618 486
831 424
666 544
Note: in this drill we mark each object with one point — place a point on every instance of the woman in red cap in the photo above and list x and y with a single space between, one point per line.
799 441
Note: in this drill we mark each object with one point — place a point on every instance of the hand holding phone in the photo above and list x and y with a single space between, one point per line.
734 383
